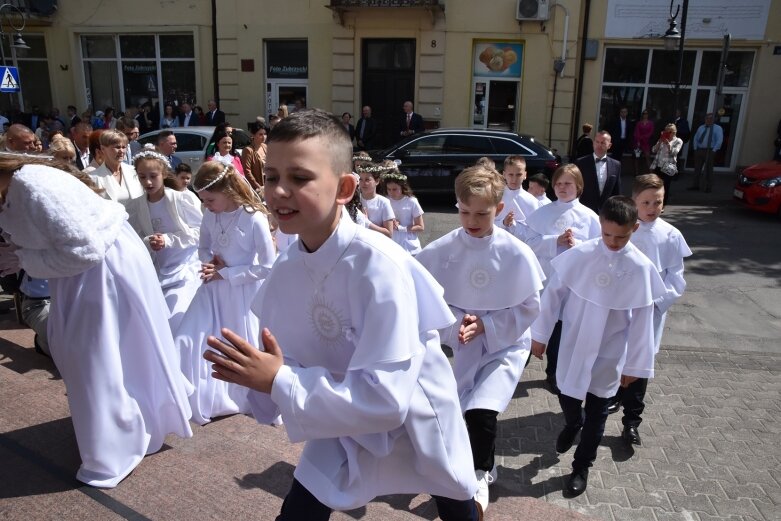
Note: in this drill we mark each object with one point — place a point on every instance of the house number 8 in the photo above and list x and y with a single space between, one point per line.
433 44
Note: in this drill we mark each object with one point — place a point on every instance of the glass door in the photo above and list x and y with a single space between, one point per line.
728 115
495 104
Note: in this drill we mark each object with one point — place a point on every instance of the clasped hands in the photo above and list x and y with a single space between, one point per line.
211 270
470 327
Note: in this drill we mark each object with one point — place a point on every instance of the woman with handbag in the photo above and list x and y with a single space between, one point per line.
665 164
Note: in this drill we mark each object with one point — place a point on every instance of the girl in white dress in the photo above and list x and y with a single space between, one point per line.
378 208
409 215
107 329
236 252
169 222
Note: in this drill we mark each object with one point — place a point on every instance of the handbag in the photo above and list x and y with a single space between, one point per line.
670 168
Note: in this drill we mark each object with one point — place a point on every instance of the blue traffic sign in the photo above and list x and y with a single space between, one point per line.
9 79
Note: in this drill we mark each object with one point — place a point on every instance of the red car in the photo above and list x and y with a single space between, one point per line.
759 187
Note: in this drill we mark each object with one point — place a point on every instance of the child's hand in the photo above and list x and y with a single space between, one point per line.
395 224
538 349
471 327
509 219
626 380
566 239
242 364
209 272
157 242
218 262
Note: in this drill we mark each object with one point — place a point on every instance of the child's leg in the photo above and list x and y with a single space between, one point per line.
456 510
552 352
573 411
301 504
633 400
481 426
591 435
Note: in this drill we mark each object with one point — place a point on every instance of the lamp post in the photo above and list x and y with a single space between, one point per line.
673 38
19 42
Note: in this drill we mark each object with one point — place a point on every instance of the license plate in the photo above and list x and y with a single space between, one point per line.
737 193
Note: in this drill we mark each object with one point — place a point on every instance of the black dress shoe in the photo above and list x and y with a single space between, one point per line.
577 482
566 437
613 407
631 436
551 380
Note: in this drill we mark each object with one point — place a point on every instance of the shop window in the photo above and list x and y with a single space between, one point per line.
626 65
664 67
33 75
142 46
738 69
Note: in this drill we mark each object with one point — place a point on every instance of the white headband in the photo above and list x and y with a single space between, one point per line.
216 180
149 153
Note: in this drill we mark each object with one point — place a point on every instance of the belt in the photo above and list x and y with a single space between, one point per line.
25 297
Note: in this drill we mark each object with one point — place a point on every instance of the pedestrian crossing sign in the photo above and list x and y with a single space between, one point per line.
9 81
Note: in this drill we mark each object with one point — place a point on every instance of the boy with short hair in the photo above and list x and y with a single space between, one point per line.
363 380
518 203
494 308
664 245
538 187
604 291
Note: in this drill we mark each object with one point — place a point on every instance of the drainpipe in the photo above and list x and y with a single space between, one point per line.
215 75
579 90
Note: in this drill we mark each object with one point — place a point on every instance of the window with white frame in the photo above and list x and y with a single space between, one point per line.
33 75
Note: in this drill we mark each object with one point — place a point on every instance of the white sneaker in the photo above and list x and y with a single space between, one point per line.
483 480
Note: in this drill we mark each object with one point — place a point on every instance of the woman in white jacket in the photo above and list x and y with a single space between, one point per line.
108 332
118 180
170 224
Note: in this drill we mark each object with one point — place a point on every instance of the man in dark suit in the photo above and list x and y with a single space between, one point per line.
410 123
215 116
601 174
73 116
187 117
366 129
80 136
621 130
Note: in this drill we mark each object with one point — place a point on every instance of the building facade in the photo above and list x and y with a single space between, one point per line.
463 63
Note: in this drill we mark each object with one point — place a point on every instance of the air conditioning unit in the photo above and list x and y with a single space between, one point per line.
532 10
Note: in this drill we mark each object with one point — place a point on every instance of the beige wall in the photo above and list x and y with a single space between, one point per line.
443 79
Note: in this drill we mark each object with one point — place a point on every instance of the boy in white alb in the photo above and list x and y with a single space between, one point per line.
363 381
538 187
518 203
492 284
665 246
604 291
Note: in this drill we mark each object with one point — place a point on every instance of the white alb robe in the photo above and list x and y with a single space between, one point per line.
605 301
108 332
664 245
248 251
121 193
520 202
365 383
177 264
498 279
406 210
546 225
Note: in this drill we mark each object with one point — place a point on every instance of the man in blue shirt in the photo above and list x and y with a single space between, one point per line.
707 141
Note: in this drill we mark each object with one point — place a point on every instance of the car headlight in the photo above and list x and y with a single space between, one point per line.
771 183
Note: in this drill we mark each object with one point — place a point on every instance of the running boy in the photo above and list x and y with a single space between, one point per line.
494 308
363 381
665 246
604 291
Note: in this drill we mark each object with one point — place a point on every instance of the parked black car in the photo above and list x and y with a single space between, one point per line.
432 160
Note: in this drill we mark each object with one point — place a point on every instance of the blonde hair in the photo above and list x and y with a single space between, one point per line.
111 137
479 181
511 160
574 171
486 162
62 149
214 176
671 127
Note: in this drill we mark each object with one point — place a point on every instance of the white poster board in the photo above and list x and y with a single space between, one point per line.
707 19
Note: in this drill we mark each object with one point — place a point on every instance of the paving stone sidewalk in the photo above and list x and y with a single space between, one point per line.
710 452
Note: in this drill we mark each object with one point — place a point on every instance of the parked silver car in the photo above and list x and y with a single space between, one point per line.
192 141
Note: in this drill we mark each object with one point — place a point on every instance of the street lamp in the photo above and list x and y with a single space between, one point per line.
19 42
673 38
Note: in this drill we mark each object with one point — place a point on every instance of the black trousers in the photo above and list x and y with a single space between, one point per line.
481 426
300 505
552 351
591 418
632 398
